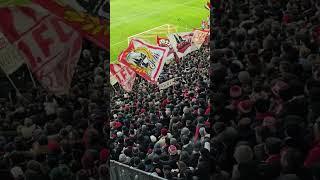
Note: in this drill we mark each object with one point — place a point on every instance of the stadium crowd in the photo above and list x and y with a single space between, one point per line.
48 137
265 89
166 132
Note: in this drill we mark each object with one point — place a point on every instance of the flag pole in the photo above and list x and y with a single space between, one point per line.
13 85
31 76
11 82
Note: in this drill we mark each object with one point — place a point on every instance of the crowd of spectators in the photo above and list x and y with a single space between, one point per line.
265 81
48 137
166 132
251 111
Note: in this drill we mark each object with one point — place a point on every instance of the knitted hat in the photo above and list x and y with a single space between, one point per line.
164 131
119 134
245 106
117 124
185 131
122 158
235 91
153 138
244 77
172 150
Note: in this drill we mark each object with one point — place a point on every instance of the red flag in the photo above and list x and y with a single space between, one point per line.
199 37
182 43
145 59
92 28
165 42
50 46
124 75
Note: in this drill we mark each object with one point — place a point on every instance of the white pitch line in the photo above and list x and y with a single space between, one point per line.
149 14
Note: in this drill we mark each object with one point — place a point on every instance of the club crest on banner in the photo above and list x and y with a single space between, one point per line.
182 43
142 60
145 59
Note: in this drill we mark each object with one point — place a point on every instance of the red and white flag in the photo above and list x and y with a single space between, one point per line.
182 43
50 46
124 75
199 37
165 42
145 59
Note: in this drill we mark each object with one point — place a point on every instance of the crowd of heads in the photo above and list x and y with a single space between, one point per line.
247 109
48 137
264 76
166 132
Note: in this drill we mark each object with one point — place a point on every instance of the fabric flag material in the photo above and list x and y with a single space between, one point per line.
92 28
95 8
6 3
182 43
124 75
50 46
167 84
10 59
165 42
113 80
145 59
199 37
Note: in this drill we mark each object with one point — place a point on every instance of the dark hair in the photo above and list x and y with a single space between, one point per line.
273 145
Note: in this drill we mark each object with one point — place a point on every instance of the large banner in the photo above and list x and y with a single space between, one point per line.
7 3
165 42
182 43
93 28
96 7
199 37
124 75
145 59
10 59
50 46
167 84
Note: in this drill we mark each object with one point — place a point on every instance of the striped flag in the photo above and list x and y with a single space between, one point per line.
124 75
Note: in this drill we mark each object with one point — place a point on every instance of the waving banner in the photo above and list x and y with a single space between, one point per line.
50 46
124 75
95 8
145 59
182 43
165 42
10 59
7 3
199 37
93 28
167 84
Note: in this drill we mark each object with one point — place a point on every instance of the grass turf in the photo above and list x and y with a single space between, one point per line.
128 18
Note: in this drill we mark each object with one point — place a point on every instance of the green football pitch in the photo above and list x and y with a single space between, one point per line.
128 18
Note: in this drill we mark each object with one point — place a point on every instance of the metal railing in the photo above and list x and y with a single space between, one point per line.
119 171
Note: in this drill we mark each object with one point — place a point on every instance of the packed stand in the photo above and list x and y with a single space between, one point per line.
265 80
46 137
166 132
